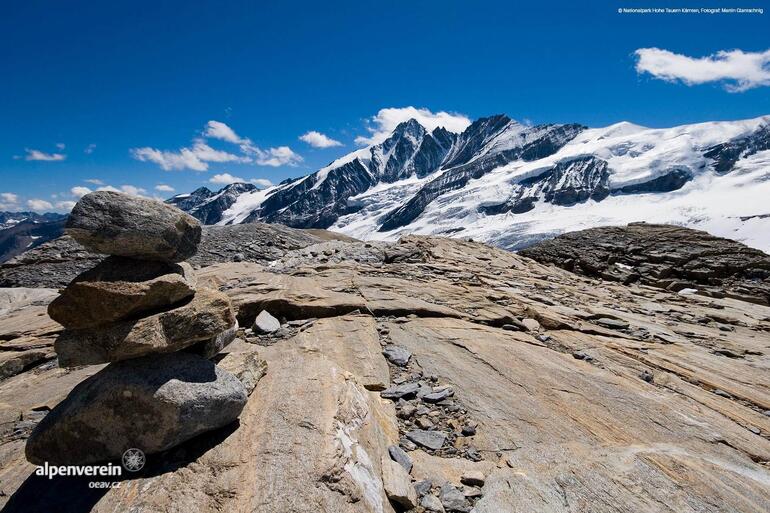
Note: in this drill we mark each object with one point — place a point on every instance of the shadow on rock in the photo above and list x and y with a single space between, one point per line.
39 494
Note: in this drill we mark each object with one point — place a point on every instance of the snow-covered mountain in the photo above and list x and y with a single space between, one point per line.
207 206
511 184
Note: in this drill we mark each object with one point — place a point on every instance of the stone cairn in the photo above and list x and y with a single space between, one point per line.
140 312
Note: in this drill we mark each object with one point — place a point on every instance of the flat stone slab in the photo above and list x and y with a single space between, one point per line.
120 288
202 319
151 404
428 439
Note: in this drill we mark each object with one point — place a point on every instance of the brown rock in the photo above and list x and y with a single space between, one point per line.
206 316
121 288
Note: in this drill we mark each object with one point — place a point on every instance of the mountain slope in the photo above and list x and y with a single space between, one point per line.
20 231
511 184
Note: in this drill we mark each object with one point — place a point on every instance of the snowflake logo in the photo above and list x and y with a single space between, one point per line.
133 460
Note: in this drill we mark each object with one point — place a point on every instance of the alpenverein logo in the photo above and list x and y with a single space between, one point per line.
133 460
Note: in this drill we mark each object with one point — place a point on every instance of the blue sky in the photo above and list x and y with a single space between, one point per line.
113 83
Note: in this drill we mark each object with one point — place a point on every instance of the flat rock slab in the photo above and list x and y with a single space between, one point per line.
206 316
152 404
118 224
428 439
399 391
121 288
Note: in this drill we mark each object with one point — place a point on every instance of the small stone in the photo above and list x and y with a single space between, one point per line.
397 355
453 499
265 323
397 392
530 324
407 411
582 355
473 478
436 396
510 327
432 503
423 487
473 454
722 393
398 455
424 423
468 430
755 430
428 439
407 444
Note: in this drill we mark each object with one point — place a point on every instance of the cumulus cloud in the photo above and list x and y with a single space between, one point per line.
79 191
319 140
162 187
65 205
8 201
42 156
737 70
226 179
39 205
262 182
60 146
94 181
386 120
89 149
197 156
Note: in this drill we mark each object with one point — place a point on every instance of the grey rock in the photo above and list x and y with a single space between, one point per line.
582 355
397 355
248 367
428 439
613 324
399 391
469 430
453 499
431 503
423 487
647 376
722 393
265 323
398 455
123 225
152 404
205 317
440 395
120 288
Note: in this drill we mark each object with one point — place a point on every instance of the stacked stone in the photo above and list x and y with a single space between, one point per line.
140 312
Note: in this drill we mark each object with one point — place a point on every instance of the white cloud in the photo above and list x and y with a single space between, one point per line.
89 149
386 120
319 140
79 191
226 179
39 205
737 70
219 130
42 156
262 182
200 154
60 146
8 201
65 205
94 181
127 189
109 188
161 187
280 156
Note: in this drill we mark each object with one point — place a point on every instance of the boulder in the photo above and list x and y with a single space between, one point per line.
397 355
151 403
428 439
118 224
121 288
205 317
398 455
266 323
453 499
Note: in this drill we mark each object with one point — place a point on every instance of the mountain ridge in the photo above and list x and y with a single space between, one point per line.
510 184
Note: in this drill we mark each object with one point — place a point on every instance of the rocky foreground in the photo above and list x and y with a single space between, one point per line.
436 375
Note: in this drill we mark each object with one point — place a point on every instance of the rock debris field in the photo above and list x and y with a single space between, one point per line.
430 374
